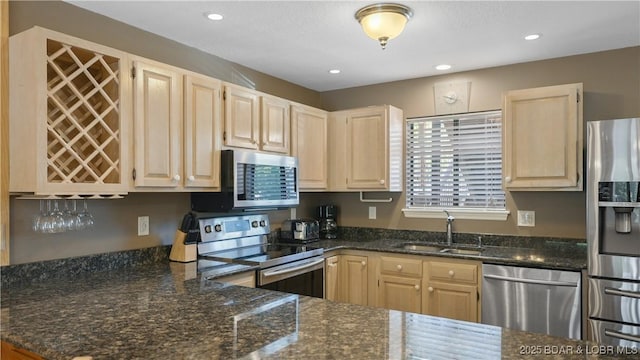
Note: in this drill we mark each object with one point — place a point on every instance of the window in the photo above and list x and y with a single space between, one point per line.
454 162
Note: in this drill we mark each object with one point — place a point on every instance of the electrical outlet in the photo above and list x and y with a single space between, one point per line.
372 212
143 225
526 218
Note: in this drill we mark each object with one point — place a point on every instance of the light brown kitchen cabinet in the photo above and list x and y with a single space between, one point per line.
157 99
331 278
241 117
178 128
399 284
543 139
275 125
354 278
10 352
365 149
309 145
202 132
4 133
451 289
69 104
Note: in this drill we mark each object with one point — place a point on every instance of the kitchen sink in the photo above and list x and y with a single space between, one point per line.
441 249
462 251
419 247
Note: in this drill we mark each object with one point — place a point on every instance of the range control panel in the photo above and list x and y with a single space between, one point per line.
232 227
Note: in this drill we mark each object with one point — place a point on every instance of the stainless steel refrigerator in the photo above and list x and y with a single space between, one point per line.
613 231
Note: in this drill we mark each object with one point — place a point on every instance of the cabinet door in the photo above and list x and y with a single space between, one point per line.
367 149
400 293
10 352
275 125
331 278
157 126
241 117
309 145
337 150
354 279
543 138
453 301
202 131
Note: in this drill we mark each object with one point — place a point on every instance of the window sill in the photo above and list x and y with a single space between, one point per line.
467 214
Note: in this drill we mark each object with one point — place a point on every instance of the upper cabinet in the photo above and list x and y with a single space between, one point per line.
256 121
177 128
543 139
68 122
309 145
365 149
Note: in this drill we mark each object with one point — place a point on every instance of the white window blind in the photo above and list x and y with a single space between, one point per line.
455 161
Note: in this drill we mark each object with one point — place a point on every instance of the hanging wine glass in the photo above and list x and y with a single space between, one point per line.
39 218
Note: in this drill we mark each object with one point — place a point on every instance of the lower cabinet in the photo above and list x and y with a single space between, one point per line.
451 289
444 287
347 279
10 352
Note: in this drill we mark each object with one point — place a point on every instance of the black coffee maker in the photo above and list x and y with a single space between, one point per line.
327 215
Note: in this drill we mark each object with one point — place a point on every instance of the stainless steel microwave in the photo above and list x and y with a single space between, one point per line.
251 181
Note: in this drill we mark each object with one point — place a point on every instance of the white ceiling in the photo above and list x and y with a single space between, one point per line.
300 41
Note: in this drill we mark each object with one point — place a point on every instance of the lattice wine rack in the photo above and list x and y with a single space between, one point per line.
84 131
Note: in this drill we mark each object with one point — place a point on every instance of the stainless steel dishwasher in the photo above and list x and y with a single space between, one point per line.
536 300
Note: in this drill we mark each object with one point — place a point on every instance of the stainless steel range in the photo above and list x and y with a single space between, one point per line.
243 239
613 231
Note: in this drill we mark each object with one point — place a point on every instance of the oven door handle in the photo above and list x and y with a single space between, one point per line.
291 269
620 292
621 335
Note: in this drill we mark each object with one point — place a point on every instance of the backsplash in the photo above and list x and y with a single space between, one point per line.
61 268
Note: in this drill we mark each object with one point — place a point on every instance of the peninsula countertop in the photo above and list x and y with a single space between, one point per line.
151 312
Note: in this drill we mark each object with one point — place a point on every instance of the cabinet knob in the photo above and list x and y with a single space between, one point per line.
191 178
332 264
417 287
381 181
364 263
430 289
399 267
451 273
176 177
507 179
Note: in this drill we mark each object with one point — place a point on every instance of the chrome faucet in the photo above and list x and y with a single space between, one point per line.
449 232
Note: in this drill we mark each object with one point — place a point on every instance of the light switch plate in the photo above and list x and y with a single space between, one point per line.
372 212
526 218
292 213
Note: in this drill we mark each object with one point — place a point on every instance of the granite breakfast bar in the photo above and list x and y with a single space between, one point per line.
149 311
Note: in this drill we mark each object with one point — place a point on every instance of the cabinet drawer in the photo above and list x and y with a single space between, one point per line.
401 266
452 271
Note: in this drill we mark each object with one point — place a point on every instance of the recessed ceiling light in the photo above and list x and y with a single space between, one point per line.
532 37
334 71
213 16
443 67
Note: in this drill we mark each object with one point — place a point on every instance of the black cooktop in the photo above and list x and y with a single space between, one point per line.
267 255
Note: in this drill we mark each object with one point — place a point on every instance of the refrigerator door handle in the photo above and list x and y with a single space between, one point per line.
620 292
621 335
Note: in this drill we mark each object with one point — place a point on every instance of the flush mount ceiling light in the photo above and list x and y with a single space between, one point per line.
532 37
213 16
383 22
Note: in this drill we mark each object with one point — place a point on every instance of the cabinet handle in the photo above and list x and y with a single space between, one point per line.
417 287
364 263
451 273
381 181
507 179
399 267
429 288
191 178
332 265
176 177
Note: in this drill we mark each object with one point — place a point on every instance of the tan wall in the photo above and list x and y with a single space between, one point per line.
611 90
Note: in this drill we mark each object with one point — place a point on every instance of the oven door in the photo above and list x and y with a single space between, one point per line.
304 277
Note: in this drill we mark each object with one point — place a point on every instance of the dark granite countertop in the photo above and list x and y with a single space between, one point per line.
151 312
552 254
